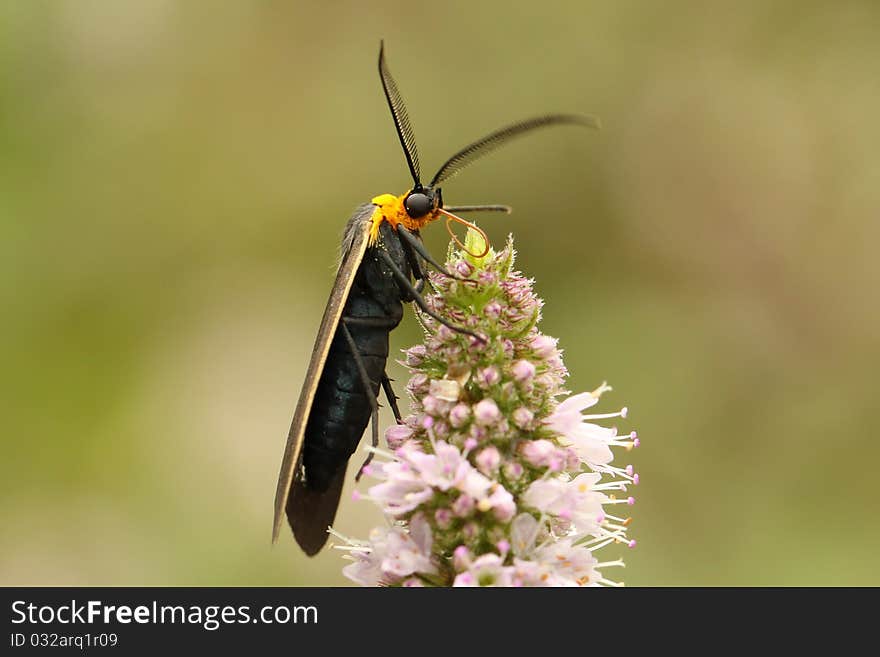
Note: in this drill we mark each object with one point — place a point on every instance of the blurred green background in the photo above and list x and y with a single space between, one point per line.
174 178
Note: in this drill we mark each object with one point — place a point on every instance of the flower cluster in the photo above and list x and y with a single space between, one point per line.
492 480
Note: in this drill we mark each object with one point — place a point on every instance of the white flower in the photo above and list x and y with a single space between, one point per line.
523 533
403 489
391 554
565 562
573 500
486 570
366 569
445 389
567 416
412 480
500 502
448 468
409 553
591 442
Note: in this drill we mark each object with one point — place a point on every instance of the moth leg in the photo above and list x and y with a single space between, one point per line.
407 241
412 244
420 302
379 322
386 382
391 397
365 379
416 245
413 261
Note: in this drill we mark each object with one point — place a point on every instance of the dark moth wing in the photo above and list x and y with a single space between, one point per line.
318 509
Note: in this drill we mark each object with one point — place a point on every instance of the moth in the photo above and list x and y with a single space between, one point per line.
383 266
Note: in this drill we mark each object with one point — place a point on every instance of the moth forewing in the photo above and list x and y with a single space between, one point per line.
354 245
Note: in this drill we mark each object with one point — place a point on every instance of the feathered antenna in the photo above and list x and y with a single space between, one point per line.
401 119
471 152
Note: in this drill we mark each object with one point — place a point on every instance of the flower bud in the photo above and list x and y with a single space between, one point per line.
488 377
522 417
463 506
463 269
397 434
492 310
415 355
486 412
459 415
523 370
488 460
543 345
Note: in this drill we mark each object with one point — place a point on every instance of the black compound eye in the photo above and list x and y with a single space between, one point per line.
418 205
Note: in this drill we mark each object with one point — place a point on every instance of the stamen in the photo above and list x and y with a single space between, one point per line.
610 469
362 549
349 541
605 416
378 451
601 389
610 485
607 541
